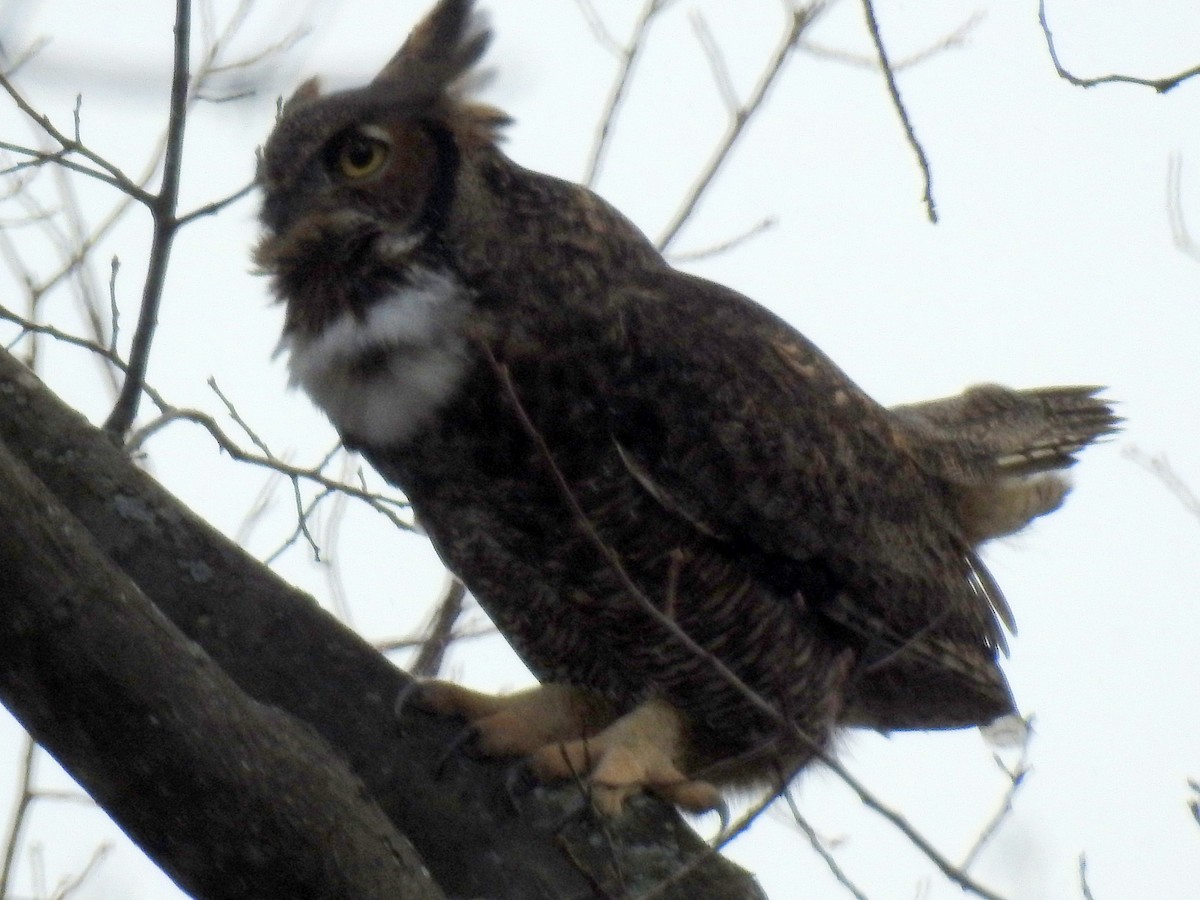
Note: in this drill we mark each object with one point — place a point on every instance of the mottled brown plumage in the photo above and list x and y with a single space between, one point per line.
585 431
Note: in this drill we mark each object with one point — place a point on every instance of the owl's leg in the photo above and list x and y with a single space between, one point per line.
521 723
641 751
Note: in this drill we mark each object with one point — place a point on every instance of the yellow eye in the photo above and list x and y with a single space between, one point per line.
362 154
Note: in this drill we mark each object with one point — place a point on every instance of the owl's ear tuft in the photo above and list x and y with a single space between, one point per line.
442 48
436 65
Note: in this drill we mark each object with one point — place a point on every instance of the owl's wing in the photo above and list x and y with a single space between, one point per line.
735 422
744 427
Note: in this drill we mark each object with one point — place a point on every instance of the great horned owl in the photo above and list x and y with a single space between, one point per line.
710 546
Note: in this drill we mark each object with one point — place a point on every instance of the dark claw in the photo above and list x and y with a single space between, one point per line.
722 812
410 690
461 743
518 784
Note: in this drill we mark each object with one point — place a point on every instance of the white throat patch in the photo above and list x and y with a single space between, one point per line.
380 377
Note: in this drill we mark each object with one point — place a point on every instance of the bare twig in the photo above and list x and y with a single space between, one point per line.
330 538
716 62
440 631
101 169
25 796
726 245
28 326
1016 778
1161 85
799 19
822 851
71 883
1084 887
87 286
890 77
628 56
162 208
237 418
216 206
950 41
378 502
385 506
1161 468
114 308
1180 233
391 645
257 510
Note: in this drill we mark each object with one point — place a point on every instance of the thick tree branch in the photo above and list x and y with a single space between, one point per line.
476 835
231 797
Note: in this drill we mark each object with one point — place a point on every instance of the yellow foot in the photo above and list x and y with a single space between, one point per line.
641 751
519 724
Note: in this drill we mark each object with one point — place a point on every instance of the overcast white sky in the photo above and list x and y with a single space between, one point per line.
1053 263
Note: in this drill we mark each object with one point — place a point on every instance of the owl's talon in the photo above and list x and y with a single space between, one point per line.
641 751
461 743
518 784
404 698
723 818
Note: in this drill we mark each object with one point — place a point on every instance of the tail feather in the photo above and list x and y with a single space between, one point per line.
990 431
1001 451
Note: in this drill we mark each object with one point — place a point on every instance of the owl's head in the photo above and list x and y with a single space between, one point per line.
358 182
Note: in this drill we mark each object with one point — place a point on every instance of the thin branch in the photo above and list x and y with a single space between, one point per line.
382 504
822 851
617 567
1161 468
951 41
890 77
1161 85
114 309
595 23
1016 778
1084 887
105 171
740 117
238 420
716 62
440 632
23 57
378 502
87 287
393 645
60 157
31 327
25 796
726 245
330 540
628 55
163 210
1180 233
216 206
71 883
